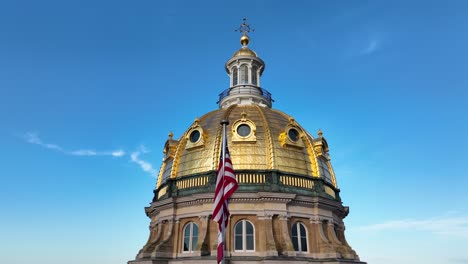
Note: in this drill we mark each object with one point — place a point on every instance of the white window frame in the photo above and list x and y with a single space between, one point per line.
190 246
247 70
244 236
298 230
235 76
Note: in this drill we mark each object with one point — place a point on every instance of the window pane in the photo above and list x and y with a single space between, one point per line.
194 236
254 75
296 246
234 76
249 228
238 229
238 242
187 230
303 232
194 243
294 230
304 244
186 244
244 77
250 242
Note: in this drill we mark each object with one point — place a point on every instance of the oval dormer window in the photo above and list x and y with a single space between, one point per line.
194 136
243 130
293 134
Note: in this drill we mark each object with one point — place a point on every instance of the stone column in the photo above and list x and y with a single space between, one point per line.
176 248
164 248
346 251
340 234
265 226
286 243
213 237
203 236
155 235
320 245
331 233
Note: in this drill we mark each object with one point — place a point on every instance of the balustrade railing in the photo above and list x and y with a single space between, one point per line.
248 181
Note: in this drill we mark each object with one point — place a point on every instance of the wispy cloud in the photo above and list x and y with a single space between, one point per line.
144 165
454 226
83 152
118 153
33 138
372 46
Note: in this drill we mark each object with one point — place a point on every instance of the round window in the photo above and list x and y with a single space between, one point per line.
293 134
194 136
243 130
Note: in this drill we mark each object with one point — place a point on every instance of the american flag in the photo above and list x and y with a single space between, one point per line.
226 184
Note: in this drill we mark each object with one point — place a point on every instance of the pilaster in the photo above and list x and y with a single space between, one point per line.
286 243
266 238
164 248
320 246
204 235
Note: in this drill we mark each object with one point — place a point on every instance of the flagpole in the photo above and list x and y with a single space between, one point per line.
224 123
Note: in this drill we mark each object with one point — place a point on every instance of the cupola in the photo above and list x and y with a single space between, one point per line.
245 69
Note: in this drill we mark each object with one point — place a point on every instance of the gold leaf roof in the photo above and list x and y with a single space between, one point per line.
267 148
244 51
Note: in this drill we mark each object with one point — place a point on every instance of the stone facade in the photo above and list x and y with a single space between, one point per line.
272 215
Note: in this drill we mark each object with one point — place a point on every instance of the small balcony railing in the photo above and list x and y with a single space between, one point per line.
245 89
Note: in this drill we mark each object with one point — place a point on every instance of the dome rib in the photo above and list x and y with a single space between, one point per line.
219 134
311 151
332 173
177 155
270 149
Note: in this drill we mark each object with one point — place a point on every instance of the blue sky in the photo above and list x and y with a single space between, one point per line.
89 91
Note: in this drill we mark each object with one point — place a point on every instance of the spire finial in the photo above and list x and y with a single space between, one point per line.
320 133
244 28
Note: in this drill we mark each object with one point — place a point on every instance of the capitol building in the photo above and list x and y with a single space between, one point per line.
287 208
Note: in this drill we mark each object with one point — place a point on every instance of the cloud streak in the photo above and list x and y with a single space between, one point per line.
33 138
144 165
453 226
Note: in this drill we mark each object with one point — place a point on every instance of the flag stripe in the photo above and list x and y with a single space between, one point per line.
226 185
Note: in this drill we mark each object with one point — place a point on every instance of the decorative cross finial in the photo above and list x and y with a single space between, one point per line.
244 28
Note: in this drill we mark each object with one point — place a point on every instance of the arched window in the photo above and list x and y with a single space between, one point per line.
299 237
244 238
254 75
190 237
244 74
234 76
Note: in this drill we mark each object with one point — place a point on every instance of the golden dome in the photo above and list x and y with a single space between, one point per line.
244 51
268 140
